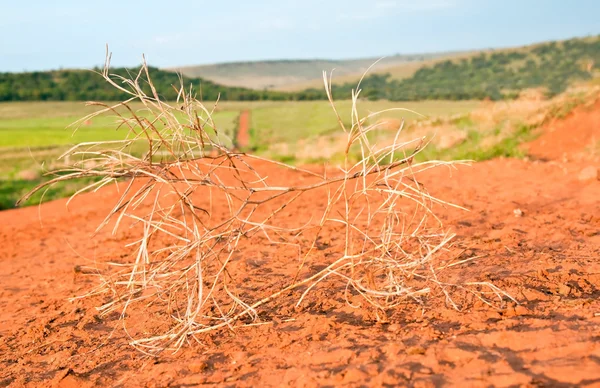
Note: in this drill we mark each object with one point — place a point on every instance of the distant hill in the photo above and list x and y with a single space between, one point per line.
492 74
396 71
294 74
487 74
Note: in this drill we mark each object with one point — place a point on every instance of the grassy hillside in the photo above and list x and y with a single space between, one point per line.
292 74
397 71
499 74
291 122
405 70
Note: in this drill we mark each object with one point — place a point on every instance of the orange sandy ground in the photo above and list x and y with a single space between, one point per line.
549 259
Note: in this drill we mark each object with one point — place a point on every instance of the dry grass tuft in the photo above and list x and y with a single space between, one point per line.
183 259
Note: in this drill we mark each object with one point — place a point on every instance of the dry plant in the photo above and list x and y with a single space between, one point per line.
195 205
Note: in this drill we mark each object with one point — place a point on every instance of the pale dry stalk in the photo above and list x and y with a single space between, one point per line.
182 258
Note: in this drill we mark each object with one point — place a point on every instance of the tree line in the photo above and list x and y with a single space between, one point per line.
75 85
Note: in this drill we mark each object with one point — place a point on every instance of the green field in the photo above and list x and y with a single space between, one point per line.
33 125
34 134
44 124
291 121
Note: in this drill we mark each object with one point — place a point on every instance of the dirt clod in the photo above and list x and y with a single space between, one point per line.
521 310
589 173
415 350
564 289
197 366
394 328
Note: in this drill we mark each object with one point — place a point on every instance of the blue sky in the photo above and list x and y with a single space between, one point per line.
38 35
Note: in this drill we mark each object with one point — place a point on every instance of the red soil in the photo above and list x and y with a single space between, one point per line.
547 258
572 138
243 134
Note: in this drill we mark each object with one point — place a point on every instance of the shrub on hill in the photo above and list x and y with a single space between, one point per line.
498 75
